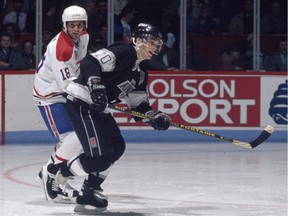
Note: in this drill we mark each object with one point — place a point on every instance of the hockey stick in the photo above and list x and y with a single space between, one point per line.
260 139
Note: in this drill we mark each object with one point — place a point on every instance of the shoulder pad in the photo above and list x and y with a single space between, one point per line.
64 47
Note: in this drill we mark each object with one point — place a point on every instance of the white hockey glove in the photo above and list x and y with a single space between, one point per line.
160 120
98 94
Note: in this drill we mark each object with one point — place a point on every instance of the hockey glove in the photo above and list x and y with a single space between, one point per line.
98 94
159 120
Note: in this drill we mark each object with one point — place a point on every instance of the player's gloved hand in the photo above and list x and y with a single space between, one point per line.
98 94
160 120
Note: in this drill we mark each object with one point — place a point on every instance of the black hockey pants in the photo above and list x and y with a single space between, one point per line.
99 135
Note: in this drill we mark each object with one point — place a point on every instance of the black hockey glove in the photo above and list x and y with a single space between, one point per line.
160 120
98 94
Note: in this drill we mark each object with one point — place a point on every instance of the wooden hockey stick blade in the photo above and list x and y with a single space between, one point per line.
266 133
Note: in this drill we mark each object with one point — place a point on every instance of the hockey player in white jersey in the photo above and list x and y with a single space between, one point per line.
110 75
56 71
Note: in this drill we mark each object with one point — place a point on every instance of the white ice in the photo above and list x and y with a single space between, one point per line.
205 179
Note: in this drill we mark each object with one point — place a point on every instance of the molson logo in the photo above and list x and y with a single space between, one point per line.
278 105
221 101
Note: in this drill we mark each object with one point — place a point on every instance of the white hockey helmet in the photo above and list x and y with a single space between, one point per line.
74 13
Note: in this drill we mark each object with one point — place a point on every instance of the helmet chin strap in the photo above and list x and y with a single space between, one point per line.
141 55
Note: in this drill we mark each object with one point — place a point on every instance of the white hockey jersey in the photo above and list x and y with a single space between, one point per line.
58 68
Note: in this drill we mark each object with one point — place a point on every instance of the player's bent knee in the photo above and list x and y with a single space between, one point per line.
95 164
119 148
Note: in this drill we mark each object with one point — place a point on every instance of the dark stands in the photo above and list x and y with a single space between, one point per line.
209 47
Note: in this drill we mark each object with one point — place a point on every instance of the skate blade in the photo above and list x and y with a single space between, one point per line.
44 180
88 209
65 200
38 180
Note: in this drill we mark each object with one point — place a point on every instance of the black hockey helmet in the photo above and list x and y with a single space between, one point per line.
147 31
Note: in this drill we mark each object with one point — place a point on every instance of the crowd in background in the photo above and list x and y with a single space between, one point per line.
208 18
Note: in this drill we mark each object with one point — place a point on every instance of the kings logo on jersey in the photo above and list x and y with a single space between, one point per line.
126 87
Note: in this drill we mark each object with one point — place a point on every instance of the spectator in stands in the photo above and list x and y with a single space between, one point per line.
25 6
30 24
169 25
230 59
170 40
118 33
47 36
49 19
15 32
119 5
208 24
126 17
28 55
193 8
10 58
100 16
5 42
277 61
246 47
91 9
102 34
274 21
97 15
167 59
242 23
224 10
193 60
16 16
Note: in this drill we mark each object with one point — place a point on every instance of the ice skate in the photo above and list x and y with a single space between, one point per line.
66 194
91 200
53 190
51 187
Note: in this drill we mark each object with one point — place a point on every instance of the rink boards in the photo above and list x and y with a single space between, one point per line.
230 103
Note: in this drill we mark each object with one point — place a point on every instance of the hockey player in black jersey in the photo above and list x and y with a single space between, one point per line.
109 75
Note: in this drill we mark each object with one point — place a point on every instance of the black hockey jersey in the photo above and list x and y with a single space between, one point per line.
119 70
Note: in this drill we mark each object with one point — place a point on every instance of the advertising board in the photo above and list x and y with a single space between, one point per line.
223 100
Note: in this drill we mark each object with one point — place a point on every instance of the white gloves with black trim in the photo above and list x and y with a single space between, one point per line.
98 94
159 120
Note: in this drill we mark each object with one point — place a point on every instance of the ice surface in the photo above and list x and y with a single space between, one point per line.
161 179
